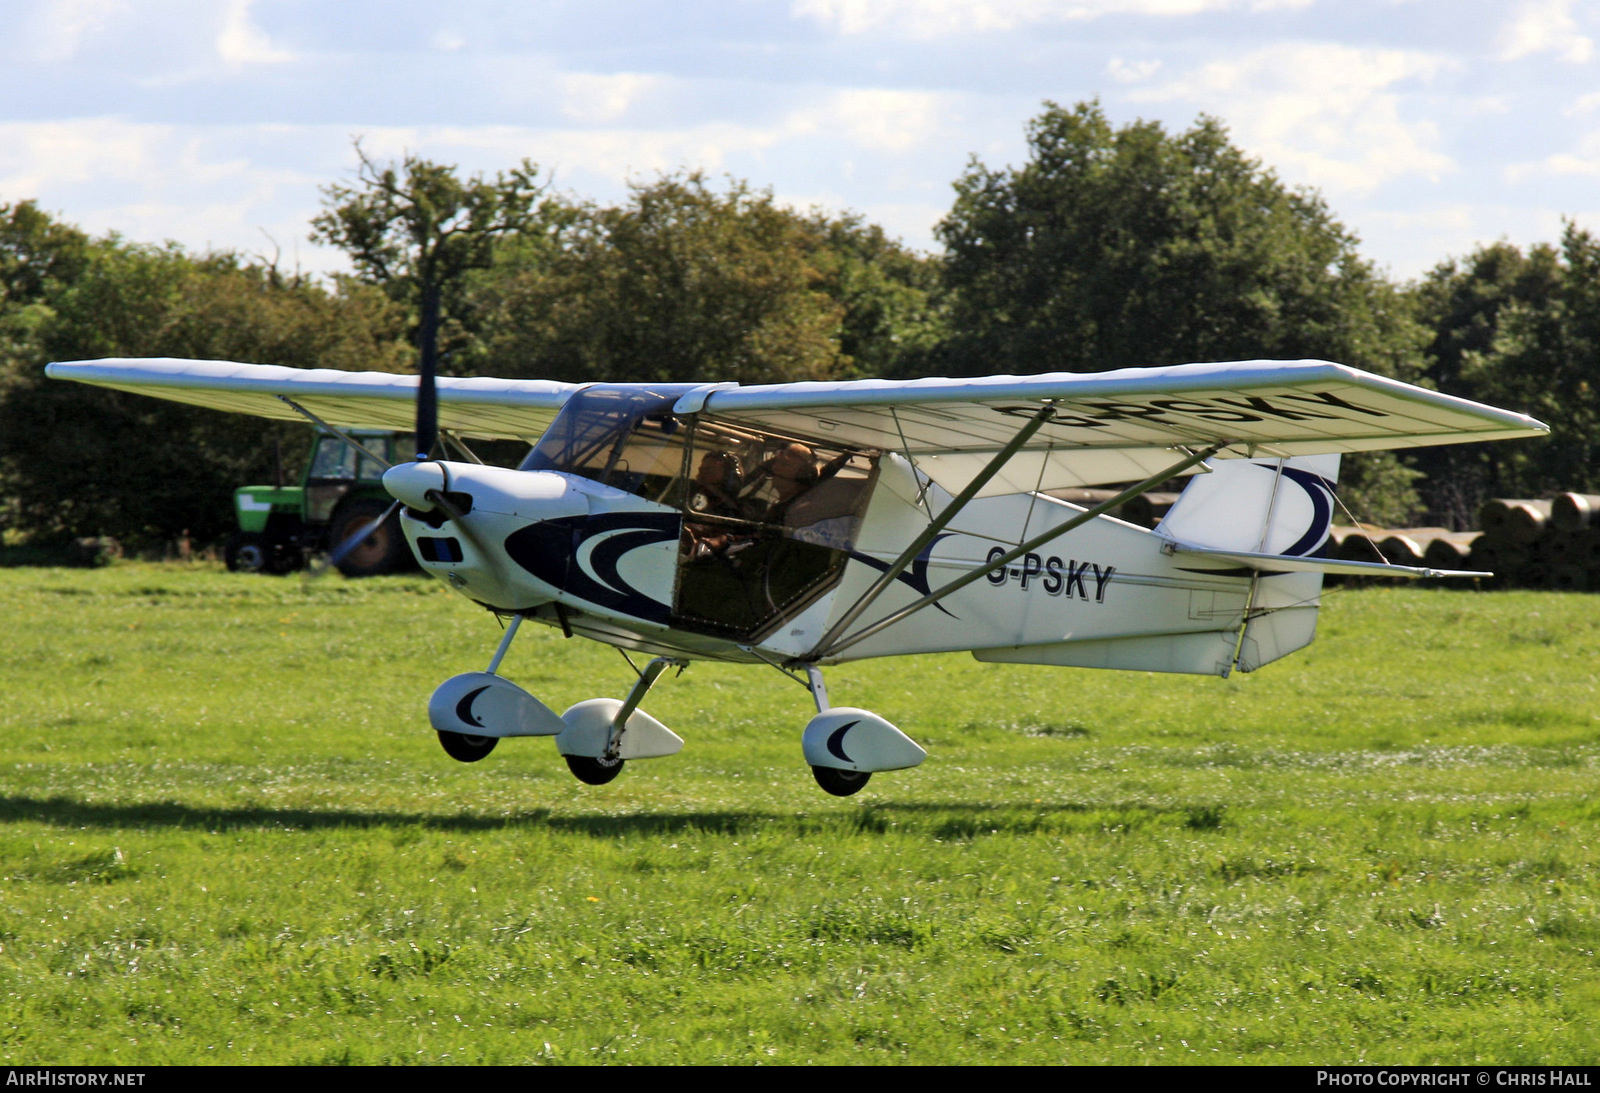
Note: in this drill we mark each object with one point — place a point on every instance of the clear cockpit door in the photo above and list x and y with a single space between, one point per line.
768 524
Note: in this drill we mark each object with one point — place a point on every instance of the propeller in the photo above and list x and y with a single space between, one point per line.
422 484
422 479
355 539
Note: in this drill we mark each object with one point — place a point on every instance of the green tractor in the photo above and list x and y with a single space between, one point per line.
280 527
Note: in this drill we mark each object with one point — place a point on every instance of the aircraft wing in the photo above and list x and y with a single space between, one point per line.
1117 426
1108 427
475 407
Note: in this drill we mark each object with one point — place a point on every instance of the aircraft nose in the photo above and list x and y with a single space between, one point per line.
411 482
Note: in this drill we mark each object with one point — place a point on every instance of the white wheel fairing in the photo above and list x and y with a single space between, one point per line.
847 738
587 731
482 704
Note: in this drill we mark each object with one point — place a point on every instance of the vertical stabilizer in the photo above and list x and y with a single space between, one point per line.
1264 506
1259 506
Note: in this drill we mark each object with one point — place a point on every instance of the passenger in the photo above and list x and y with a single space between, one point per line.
793 471
798 503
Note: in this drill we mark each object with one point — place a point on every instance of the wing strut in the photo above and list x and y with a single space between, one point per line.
826 649
950 511
317 421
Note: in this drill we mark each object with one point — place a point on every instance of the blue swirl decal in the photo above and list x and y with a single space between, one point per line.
836 738
1320 490
916 574
464 707
551 549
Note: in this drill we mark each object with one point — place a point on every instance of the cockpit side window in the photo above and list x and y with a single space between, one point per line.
620 437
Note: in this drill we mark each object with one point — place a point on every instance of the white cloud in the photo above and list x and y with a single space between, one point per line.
1544 26
1323 114
894 120
36 157
594 99
1426 238
241 42
447 41
1131 71
209 188
59 29
1584 160
944 18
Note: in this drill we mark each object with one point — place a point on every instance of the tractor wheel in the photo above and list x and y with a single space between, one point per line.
246 552
382 551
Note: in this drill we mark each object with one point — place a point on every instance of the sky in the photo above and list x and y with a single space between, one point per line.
1428 126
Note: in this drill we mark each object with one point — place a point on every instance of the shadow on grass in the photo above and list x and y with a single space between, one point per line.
950 821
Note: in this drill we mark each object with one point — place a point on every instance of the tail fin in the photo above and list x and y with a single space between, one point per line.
1280 507
1257 506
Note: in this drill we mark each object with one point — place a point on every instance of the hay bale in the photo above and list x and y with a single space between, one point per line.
1401 548
1570 578
1452 550
1357 545
1517 521
1574 512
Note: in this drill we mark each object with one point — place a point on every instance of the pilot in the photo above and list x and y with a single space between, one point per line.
716 485
714 492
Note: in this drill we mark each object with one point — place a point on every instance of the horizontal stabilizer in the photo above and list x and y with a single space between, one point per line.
1278 563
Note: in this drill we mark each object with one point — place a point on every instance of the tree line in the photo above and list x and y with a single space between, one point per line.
1109 247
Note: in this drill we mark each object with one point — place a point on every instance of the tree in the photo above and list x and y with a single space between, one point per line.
1521 330
78 461
36 253
417 230
1464 303
1129 247
688 283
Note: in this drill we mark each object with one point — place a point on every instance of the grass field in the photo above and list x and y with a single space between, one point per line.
227 834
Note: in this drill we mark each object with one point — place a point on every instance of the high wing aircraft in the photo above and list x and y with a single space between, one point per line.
806 524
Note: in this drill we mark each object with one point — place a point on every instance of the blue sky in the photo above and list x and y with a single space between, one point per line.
1428 126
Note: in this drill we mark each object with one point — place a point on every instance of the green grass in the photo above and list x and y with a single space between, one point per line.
226 834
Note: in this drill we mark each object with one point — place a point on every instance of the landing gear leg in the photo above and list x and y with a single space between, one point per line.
819 689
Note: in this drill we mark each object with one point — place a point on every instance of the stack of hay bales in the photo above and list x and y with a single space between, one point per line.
1525 543
1572 542
1436 548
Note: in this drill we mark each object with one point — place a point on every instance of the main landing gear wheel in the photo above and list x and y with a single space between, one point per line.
468 749
592 771
841 783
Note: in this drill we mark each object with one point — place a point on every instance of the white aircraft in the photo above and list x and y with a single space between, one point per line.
806 524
